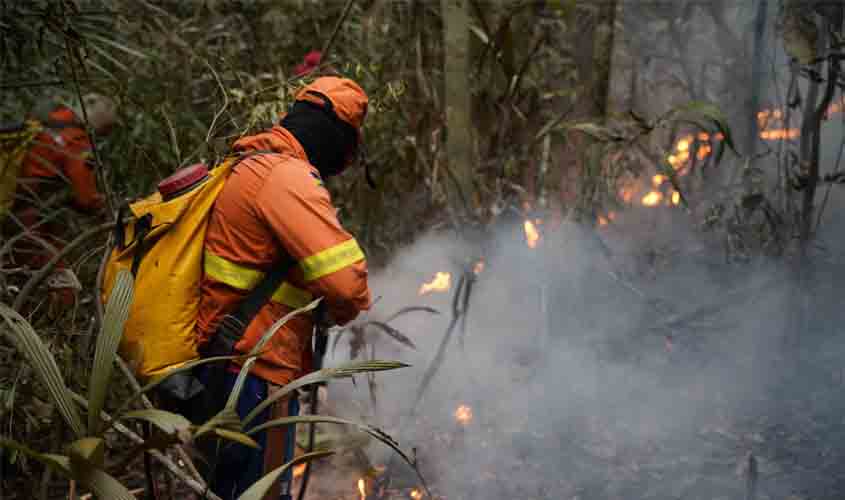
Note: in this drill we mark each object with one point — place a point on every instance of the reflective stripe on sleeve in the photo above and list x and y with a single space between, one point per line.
331 259
292 296
245 278
234 275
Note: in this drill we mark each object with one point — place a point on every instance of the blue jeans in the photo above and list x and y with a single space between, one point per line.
239 466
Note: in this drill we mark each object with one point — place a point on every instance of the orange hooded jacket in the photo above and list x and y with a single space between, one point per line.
62 153
274 202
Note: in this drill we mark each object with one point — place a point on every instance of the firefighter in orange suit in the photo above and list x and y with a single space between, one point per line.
59 158
276 202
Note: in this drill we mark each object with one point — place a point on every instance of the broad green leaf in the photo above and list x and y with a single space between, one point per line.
159 379
87 451
103 485
168 422
239 382
226 419
59 463
238 437
114 319
263 485
324 375
315 419
30 345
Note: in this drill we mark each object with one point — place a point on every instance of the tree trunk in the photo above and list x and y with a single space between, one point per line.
459 146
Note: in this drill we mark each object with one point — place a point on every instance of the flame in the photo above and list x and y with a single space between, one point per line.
416 494
602 221
362 488
479 267
463 414
652 198
676 198
532 235
658 179
441 283
298 470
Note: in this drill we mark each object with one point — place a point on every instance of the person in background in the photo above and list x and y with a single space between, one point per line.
58 163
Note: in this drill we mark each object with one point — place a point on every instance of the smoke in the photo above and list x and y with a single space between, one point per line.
630 362
581 383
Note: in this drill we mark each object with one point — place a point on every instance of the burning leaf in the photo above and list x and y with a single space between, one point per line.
463 414
652 199
532 235
441 283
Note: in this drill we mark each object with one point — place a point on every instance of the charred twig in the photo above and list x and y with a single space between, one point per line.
751 484
459 302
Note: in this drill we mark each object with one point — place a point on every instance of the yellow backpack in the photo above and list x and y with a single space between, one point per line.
15 141
162 244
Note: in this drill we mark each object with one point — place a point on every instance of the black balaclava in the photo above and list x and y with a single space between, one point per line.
326 139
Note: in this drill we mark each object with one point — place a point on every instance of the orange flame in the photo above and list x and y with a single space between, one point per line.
478 268
362 489
602 221
652 198
658 179
416 494
441 283
676 198
532 235
298 470
463 414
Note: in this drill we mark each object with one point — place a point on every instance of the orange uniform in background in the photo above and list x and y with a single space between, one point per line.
273 203
60 156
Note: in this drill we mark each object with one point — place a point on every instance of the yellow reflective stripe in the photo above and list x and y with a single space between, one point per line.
331 260
234 275
292 296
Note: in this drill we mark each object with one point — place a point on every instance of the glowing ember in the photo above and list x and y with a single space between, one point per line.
362 489
416 494
298 470
652 199
441 283
658 179
676 198
683 145
478 268
532 235
463 414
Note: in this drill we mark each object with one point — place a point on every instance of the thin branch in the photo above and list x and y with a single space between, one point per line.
330 42
196 486
42 273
